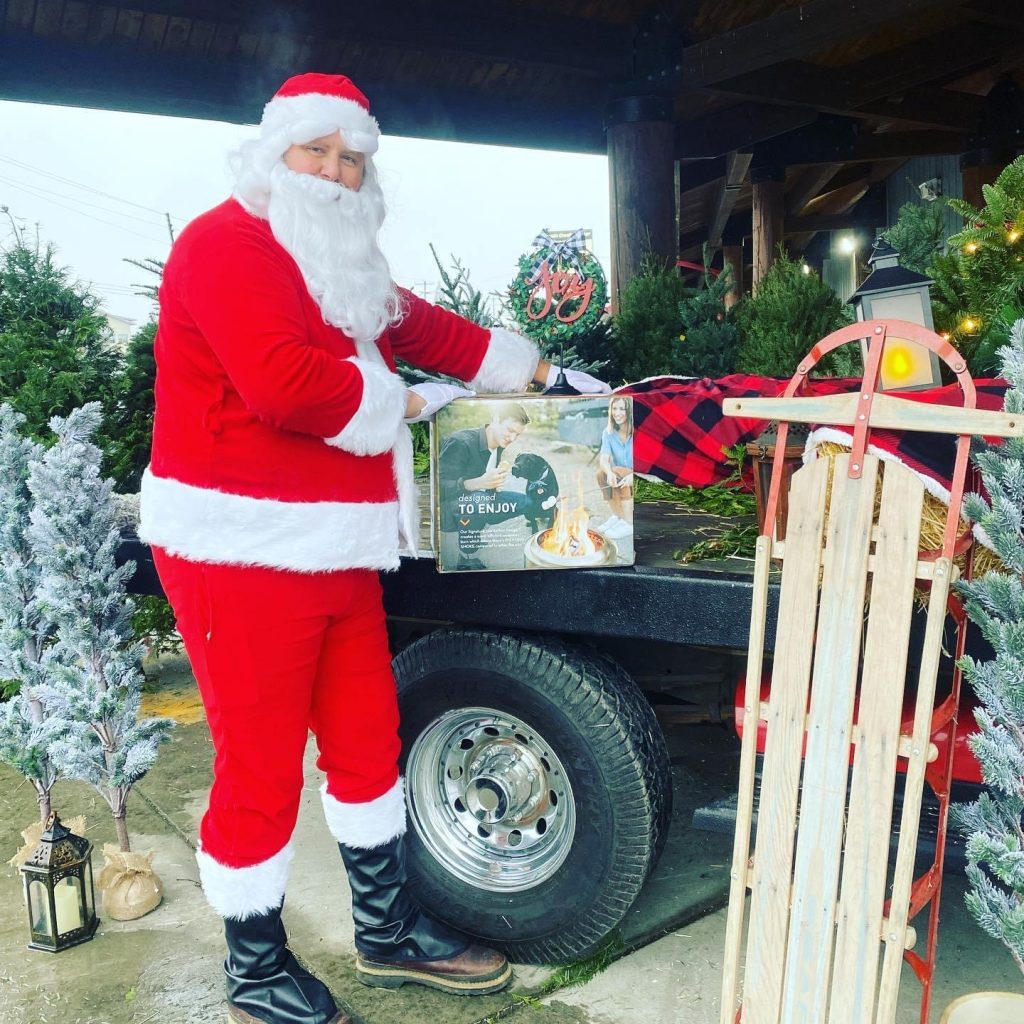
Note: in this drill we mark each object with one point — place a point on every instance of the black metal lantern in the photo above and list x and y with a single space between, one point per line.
59 893
892 292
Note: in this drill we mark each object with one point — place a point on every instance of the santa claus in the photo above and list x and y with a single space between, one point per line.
280 484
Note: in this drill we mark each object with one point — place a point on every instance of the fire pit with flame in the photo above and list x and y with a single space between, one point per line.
570 542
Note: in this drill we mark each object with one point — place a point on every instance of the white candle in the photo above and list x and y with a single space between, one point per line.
68 905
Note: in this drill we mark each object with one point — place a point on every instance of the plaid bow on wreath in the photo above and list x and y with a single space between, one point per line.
567 250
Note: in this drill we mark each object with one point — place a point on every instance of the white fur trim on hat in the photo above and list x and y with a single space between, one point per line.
509 365
374 427
206 525
298 119
368 824
239 893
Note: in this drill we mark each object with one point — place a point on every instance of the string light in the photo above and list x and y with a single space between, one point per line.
971 247
969 325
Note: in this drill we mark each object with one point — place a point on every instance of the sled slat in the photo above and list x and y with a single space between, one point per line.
773 862
913 788
745 799
877 739
823 797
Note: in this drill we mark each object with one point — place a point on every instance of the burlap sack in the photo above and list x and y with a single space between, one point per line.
130 886
30 837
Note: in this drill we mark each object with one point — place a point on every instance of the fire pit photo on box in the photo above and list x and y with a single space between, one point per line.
569 543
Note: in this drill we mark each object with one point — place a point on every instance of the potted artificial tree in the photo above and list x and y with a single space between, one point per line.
993 823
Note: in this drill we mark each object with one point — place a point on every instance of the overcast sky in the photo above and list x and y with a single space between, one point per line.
99 184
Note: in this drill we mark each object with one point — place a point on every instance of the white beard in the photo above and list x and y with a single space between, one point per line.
331 233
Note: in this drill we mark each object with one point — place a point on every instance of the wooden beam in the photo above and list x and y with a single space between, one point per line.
235 91
736 128
642 198
928 107
845 90
736 165
508 34
809 185
796 32
767 215
826 143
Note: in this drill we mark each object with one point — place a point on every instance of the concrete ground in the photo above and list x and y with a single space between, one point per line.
165 967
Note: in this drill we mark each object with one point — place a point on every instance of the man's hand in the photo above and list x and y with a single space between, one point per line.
423 400
581 381
492 480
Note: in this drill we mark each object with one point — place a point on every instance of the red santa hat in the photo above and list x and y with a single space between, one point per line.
310 105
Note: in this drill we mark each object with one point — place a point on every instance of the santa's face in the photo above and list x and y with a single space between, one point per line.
327 157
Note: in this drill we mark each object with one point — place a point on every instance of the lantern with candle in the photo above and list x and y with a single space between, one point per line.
892 292
59 893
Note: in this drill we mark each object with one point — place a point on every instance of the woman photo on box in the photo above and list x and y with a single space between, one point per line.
615 476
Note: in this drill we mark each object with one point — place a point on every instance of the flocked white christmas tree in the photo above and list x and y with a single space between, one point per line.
995 844
26 728
95 685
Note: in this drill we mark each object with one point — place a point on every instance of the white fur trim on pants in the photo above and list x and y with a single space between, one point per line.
206 525
374 427
366 825
509 365
239 893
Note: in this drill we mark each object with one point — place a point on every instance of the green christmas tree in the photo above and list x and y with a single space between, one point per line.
710 341
918 234
980 283
647 327
993 823
792 310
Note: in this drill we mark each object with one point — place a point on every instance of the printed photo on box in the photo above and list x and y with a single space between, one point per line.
534 483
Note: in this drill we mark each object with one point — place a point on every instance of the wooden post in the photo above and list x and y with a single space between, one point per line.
768 186
643 194
732 257
979 167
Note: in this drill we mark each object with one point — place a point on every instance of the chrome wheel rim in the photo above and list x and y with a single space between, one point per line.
490 800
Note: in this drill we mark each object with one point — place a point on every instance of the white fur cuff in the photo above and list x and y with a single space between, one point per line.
374 427
508 366
239 893
368 824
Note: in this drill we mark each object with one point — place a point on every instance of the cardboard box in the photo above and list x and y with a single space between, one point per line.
523 483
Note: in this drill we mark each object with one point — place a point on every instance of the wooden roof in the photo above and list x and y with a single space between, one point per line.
837 93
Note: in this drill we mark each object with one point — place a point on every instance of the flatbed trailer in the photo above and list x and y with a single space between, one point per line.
533 704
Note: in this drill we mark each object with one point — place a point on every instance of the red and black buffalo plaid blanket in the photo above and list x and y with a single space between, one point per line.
682 435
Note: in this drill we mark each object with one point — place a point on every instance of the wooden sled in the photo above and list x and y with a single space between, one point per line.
828 928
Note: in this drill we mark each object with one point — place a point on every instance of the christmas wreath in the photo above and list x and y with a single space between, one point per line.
559 291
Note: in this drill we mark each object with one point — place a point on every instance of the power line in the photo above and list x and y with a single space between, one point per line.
80 202
81 213
87 188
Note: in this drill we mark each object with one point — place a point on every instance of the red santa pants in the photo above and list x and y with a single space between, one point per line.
276 654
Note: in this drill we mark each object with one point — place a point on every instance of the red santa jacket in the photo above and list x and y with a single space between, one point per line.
272 442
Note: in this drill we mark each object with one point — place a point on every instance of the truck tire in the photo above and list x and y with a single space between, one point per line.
538 786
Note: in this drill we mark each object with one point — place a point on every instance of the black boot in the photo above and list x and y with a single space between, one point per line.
396 942
265 983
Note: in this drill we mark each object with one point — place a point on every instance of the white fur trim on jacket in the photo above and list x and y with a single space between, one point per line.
239 893
206 525
298 119
368 824
509 365
374 427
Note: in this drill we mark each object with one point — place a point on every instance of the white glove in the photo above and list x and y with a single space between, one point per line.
437 395
581 381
